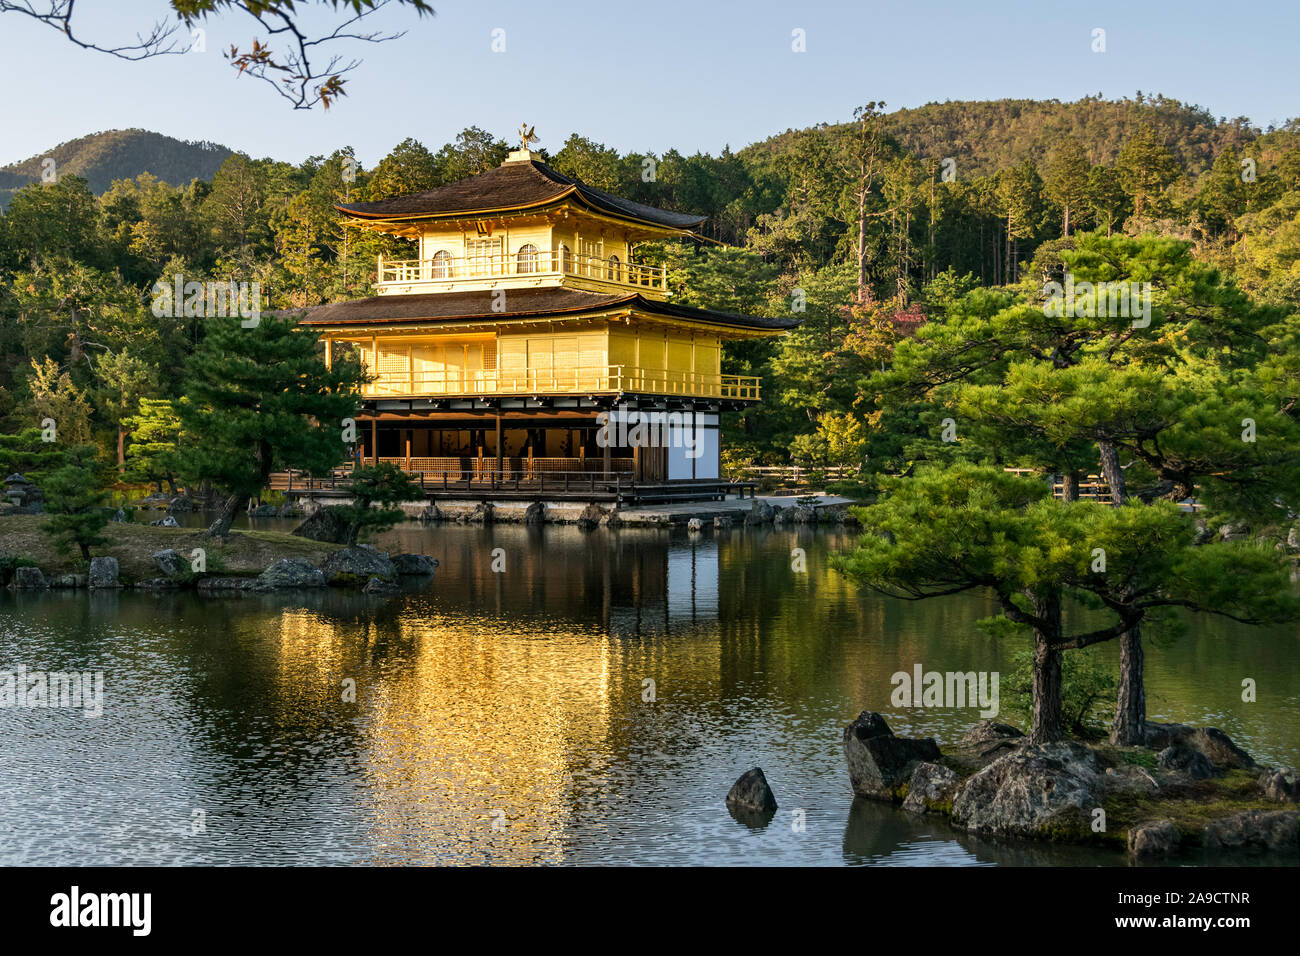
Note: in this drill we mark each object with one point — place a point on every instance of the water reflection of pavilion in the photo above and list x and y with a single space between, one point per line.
635 584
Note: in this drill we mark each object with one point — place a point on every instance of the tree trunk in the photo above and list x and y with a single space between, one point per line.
121 448
221 527
1046 726
1113 473
1070 485
1129 728
862 243
1047 723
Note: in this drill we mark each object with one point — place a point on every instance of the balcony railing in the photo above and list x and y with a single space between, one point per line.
449 269
593 378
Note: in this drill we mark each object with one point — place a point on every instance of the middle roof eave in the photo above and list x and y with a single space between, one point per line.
449 307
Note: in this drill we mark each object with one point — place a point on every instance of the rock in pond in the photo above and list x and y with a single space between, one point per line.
226 585
535 513
291 573
482 513
1030 792
28 579
1217 746
878 761
103 573
324 524
1183 759
990 731
169 562
380 586
414 565
1152 840
591 517
352 566
751 793
158 584
1278 830
1281 786
167 522
931 788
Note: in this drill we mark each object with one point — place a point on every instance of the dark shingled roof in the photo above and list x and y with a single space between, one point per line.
515 185
436 307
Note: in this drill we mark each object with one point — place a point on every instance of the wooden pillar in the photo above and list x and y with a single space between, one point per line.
500 449
607 457
408 450
374 441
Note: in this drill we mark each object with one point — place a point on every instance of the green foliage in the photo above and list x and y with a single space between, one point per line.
260 400
856 228
1087 691
152 455
27 454
375 492
74 500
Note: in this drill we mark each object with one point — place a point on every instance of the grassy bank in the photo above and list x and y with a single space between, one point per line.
242 553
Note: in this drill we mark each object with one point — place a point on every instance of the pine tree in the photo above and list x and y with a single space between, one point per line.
385 486
1065 180
1161 407
1145 168
946 530
152 454
74 500
259 400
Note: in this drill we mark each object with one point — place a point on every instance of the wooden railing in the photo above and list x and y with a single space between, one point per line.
550 262
479 468
620 485
587 378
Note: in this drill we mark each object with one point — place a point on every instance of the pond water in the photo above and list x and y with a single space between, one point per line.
500 716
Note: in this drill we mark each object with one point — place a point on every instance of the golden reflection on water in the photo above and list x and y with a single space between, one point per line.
499 718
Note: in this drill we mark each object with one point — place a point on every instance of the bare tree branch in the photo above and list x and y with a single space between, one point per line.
284 59
161 40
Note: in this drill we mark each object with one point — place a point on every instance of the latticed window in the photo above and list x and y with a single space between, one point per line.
526 259
589 256
483 255
489 355
566 258
442 264
615 270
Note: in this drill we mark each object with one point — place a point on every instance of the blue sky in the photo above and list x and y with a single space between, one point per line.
650 76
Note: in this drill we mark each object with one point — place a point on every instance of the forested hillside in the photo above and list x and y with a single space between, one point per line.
985 137
861 227
119 154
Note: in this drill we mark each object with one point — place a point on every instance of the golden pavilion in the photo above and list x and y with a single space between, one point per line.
525 343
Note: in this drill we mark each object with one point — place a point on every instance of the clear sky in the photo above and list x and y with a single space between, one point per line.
690 74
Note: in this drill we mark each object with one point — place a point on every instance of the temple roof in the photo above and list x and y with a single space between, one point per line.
438 307
515 185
